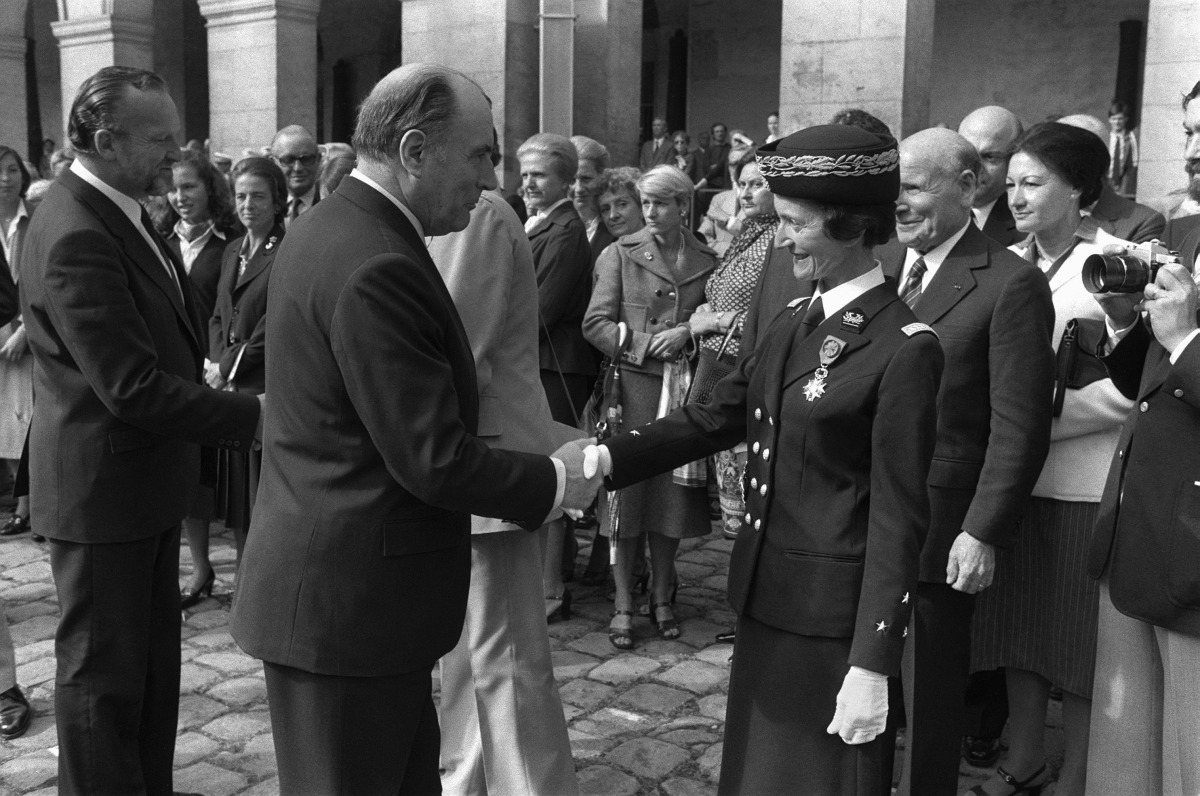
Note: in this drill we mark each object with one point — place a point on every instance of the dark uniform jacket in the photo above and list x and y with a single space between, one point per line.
994 314
237 330
358 558
1147 537
836 499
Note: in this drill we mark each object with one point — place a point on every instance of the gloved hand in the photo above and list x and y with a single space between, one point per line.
862 706
596 458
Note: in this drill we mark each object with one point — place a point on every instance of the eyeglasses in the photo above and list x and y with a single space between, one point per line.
287 161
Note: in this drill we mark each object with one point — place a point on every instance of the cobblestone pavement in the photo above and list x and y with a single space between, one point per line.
645 721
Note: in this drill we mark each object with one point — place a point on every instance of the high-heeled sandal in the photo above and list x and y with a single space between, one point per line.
559 607
189 597
1027 785
667 628
621 637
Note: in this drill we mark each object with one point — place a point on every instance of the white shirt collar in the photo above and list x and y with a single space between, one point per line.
358 175
306 199
983 213
833 301
7 238
127 204
933 258
545 211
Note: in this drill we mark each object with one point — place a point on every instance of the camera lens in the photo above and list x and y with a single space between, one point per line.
1116 273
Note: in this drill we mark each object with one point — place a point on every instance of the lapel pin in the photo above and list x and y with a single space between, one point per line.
648 255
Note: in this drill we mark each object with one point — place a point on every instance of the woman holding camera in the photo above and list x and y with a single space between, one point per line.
1038 620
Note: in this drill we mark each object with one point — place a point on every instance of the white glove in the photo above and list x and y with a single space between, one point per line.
862 706
596 457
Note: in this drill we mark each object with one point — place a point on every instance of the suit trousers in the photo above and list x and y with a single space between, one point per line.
1145 733
116 694
934 672
351 735
503 730
8 654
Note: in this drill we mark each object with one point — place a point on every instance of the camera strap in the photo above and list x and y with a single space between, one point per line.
1031 254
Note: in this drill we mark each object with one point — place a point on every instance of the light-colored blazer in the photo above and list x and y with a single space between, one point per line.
488 269
1083 438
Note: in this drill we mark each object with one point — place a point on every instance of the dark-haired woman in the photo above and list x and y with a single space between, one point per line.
16 366
238 329
199 223
1038 619
838 404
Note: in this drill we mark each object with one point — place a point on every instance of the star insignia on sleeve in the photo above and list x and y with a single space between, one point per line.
882 626
905 635
904 599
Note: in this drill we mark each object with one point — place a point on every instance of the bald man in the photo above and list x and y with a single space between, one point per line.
993 313
295 151
993 130
1118 216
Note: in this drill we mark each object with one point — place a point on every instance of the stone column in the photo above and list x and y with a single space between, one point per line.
14 129
869 54
87 43
608 74
556 75
1172 68
495 43
262 69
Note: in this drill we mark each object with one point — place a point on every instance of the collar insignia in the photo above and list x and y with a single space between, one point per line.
853 320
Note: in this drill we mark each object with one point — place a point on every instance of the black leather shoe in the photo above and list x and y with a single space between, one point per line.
981 752
16 524
15 713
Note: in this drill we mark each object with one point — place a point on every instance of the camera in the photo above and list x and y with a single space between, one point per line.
1126 273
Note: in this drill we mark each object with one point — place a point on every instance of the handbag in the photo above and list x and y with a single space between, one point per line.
712 366
1078 359
601 416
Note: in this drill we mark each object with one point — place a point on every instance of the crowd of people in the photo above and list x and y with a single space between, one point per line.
885 367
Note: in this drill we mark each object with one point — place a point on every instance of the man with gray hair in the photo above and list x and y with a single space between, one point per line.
993 130
355 573
1115 214
295 151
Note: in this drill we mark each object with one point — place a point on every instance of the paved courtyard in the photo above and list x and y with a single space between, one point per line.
647 721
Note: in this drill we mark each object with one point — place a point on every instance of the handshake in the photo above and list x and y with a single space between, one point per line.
586 466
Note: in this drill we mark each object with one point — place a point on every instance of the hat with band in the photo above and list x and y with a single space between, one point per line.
833 164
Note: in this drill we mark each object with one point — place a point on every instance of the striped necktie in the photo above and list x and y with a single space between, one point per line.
911 293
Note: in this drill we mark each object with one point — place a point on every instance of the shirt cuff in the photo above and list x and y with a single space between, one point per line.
560 472
605 460
1115 336
1178 352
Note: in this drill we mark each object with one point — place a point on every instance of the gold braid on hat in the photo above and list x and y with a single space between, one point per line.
824 166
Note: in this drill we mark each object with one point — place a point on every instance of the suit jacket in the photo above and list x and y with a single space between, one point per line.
205 273
635 284
358 557
648 158
498 306
599 242
1183 235
563 262
238 327
1126 219
1147 538
691 165
1000 225
716 166
836 499
119 412
994 315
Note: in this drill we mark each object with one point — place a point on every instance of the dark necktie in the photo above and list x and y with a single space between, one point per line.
293 209
814 314
911 292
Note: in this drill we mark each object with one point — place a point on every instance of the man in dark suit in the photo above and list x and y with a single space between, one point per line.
658 149
355 573
1183 235
992 130
994 315
114 446
295 151
1146 714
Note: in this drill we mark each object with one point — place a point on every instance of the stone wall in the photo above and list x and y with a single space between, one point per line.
1172 68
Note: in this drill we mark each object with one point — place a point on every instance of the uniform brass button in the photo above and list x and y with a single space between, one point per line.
766 454
763 490
758 414
658 292
654 321
754 483
1145 407
757 524
671 294
1120 454
755 447
747 519
1179 393
771 421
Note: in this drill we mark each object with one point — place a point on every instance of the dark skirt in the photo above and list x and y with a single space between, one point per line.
658 504
237 486
1040 612
782 694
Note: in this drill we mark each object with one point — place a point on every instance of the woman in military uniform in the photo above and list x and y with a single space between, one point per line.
838 407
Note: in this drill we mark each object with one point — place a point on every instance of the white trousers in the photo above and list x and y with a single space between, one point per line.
503 731
1145 732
